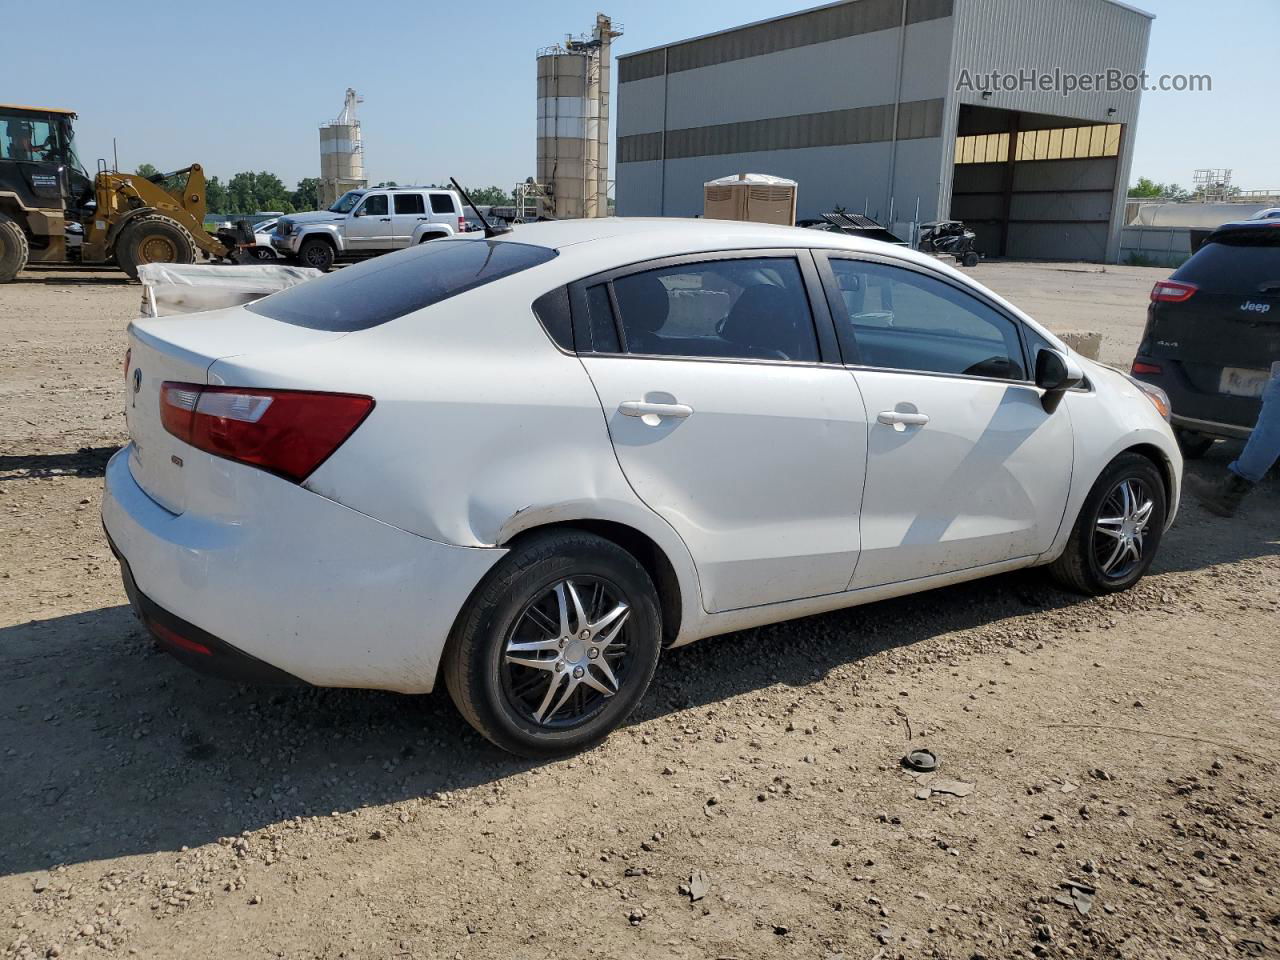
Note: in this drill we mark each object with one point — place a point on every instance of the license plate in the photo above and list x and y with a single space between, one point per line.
1243 382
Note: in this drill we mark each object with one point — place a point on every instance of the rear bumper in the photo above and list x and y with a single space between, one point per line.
304 587
1211 428
194 647
1213 414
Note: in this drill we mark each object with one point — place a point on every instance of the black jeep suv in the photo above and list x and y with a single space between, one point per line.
1213 332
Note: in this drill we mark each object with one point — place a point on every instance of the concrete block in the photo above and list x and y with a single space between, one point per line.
1087 343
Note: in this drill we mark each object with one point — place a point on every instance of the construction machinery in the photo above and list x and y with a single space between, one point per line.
51 211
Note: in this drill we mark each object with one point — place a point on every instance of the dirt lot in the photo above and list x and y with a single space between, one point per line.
1126 745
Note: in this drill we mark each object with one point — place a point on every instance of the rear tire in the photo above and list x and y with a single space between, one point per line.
317 254
153 239
14 250
1099 557
970 259
1193 445
521 645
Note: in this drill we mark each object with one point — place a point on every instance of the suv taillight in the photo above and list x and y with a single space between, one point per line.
462 224
1172 291
288 432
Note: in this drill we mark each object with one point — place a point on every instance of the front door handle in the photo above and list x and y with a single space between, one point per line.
386 219
900 421
643 408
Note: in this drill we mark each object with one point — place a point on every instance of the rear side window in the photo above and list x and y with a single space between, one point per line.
409 203
378 290
1236 266
442 203
744 308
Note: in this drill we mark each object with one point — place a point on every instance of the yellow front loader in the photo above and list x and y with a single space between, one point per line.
52 212
150 220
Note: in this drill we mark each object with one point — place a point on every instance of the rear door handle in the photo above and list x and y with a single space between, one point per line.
900 421
642 408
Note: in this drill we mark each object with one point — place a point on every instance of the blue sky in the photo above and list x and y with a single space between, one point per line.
449 88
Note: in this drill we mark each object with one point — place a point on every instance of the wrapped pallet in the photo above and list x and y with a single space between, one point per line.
758 197
174 288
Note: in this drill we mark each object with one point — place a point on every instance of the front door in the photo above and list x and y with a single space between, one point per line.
727 424
368 226
964 467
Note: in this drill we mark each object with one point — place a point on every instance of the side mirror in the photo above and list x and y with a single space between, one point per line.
359 213
1056 373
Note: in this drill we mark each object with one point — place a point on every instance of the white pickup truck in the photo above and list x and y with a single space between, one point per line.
364 223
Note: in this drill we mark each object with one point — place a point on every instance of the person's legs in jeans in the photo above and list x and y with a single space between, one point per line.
1263 447
1254 461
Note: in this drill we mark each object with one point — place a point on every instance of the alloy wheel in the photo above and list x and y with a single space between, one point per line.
1121 528
566 654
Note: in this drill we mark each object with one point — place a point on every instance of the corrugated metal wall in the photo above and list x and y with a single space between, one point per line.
1054 214
806 96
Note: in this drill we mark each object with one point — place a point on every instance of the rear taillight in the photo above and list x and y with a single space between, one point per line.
288 432
1172 291
1141 366
462 224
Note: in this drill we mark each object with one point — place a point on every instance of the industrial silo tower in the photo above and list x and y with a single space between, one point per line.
341 153
573 123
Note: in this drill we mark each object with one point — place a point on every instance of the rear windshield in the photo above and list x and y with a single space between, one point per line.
387 287
1236 266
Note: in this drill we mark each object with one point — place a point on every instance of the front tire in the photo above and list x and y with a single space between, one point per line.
317 254
1193 445
1118 531
557 645
153 239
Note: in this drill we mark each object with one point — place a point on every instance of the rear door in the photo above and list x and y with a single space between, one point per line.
408 210
730 420
1226 334
964 467
368 226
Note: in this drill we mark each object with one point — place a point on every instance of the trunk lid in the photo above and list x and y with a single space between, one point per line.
182 349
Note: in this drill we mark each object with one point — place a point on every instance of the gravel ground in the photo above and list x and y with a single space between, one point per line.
754 806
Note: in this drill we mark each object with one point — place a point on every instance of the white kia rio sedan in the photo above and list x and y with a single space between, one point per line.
525 466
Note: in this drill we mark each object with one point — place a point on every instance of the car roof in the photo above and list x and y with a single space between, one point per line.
680 236
598 244
1245 227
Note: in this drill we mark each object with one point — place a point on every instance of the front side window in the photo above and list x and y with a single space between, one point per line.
442 203
898 319
409 203
22 138
749 309
374 206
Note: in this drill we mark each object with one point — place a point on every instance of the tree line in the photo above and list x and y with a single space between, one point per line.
249 192
1148 189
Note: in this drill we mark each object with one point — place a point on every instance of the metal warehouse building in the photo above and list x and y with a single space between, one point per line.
888 107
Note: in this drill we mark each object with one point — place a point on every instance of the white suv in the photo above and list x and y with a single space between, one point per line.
365 223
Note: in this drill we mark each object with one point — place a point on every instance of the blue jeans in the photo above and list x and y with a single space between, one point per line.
1264 443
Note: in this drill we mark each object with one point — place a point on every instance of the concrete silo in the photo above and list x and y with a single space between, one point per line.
341 153
573 124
